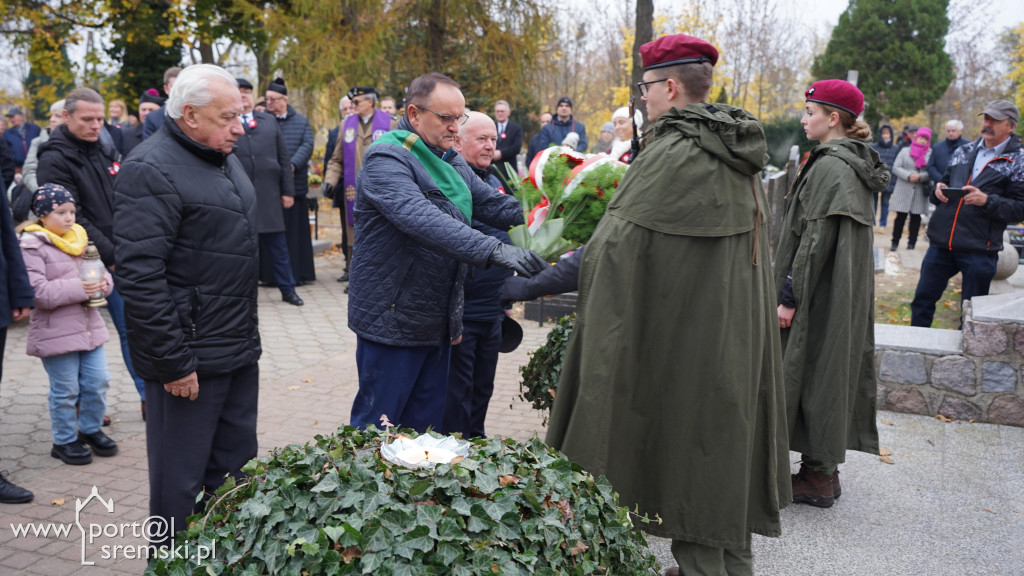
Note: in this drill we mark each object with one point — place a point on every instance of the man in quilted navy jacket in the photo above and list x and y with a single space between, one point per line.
415 198
966 230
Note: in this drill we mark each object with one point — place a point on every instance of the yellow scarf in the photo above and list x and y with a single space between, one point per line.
72 243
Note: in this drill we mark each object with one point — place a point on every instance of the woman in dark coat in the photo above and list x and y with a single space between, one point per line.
887 151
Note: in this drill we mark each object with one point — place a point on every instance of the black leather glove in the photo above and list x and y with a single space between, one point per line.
327 190
525 262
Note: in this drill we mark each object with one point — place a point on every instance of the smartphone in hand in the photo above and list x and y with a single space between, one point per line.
954 194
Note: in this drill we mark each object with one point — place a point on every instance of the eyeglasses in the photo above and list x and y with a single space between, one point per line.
642 86
446 119
271 99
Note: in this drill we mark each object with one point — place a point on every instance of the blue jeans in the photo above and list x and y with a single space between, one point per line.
77 377
115 306
883 218
938 267
406 383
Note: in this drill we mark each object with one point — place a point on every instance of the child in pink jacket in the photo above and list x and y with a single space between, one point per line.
66 335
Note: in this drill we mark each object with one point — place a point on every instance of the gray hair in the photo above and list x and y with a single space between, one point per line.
57 106
341 103
955 125
505 102
81 95
193 87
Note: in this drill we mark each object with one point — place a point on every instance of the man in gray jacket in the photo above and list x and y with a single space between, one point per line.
415 198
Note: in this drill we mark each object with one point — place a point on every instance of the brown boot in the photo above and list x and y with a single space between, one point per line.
814 488
836 488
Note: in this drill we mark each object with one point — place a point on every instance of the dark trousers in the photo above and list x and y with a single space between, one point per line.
275 246
471 378
938 267
883 216
192 444
407 384
115 307
897 228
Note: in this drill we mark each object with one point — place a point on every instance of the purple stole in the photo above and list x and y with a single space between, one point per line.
349 135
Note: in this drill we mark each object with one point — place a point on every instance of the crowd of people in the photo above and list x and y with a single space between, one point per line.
203 199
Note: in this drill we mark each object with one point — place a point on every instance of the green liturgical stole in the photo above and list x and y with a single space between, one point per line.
447 178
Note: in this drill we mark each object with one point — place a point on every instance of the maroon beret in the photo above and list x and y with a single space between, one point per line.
838 93
677 49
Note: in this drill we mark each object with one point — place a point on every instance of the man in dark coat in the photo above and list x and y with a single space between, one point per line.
131 136
564 129
16 298
151 125
475 360
510 142
672 381
264 155
537 143
7 164
887 152
187 249
75 158
19 134
943 151
966 230
415 199
298 135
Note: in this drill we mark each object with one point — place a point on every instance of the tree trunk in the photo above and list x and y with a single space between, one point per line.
644 34
206 52
435 35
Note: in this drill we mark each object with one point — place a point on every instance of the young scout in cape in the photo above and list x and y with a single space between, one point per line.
358 131
825 272
672 382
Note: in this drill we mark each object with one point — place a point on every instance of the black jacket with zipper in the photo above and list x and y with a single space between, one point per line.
960 227
187 247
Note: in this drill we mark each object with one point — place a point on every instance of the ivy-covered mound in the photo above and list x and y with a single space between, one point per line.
541 373
335 506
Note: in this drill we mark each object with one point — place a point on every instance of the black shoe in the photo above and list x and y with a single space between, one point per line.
292 298
344 277
72 453
911 245
11 493
100 443
894 247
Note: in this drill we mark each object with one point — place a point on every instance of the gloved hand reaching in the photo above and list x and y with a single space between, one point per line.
327 190
525 262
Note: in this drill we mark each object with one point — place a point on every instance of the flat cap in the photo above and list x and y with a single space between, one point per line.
360 91
243 83
1001 110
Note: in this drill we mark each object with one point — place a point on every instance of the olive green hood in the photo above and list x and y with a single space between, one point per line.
691 147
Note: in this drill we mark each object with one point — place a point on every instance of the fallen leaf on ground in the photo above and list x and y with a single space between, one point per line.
884 452
990 511
309 379
932 443
888 423
294 387
886 460
57 502
943 418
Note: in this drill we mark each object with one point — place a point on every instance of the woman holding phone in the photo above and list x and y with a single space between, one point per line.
825 271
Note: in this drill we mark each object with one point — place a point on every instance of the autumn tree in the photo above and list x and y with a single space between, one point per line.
143 41
898 48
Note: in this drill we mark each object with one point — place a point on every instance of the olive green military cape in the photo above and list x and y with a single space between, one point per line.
829 350
671 385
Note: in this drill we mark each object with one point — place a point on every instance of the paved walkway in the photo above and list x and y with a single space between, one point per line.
952 503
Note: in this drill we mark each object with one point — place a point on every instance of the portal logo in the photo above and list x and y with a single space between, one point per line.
147 533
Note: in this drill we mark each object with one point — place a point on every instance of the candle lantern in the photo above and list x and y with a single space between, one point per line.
93 270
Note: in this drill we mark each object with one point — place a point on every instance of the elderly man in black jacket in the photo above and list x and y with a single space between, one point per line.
264 155
185 216
942 152
415 198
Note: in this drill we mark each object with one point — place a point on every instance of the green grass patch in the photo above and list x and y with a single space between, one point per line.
893 307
